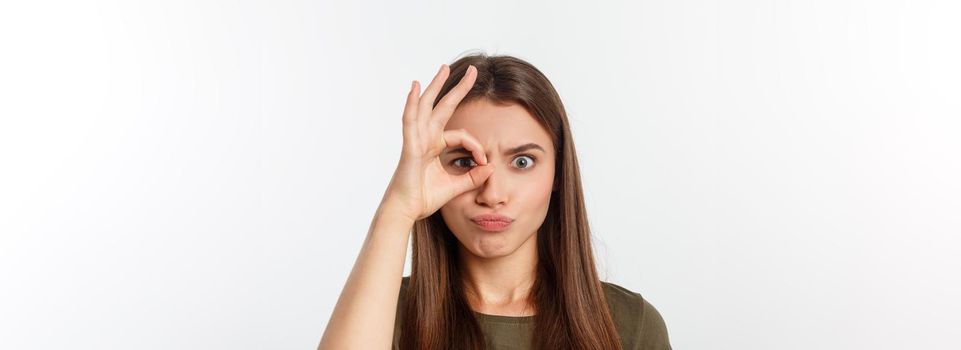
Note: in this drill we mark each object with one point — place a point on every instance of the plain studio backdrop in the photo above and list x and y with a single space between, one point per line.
201 174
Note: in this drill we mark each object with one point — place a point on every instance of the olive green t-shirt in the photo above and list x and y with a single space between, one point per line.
638 323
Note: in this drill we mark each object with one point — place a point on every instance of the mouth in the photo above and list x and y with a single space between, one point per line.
492 222
492 225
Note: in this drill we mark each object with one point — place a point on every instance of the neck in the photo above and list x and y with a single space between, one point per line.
500 285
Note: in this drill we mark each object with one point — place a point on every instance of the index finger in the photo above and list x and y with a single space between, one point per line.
445 108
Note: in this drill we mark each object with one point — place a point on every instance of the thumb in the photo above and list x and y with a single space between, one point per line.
474 178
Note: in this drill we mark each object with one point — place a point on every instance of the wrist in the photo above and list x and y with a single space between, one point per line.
391 210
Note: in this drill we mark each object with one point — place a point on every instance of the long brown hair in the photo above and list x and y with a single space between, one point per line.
571 310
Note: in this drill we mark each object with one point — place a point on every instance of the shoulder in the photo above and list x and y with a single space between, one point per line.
638 322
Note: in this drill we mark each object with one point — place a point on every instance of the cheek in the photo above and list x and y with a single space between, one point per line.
457 203
448 210
538 194
453 210
545 184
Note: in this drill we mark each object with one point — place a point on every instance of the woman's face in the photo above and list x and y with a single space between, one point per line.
520 186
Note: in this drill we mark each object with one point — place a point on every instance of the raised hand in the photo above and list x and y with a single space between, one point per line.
420 184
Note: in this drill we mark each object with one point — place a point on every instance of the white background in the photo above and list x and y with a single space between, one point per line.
201 174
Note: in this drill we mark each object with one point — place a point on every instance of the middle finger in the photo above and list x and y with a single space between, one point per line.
445 107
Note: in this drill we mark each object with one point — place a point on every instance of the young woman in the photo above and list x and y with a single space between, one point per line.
488 182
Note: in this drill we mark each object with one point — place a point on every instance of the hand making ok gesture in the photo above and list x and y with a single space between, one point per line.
420 184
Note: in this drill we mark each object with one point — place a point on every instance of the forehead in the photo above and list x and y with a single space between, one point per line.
497 125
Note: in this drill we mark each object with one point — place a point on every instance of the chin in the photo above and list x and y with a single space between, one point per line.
489 245
481 251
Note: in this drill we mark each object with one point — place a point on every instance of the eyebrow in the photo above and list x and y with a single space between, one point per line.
514 150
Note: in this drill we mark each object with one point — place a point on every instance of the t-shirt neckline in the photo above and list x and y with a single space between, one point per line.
503 319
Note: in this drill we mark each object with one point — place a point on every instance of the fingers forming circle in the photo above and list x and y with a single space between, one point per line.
460 137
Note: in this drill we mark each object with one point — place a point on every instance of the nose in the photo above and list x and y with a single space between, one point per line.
493 192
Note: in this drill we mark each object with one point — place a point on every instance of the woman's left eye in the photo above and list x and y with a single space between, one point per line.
524 164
